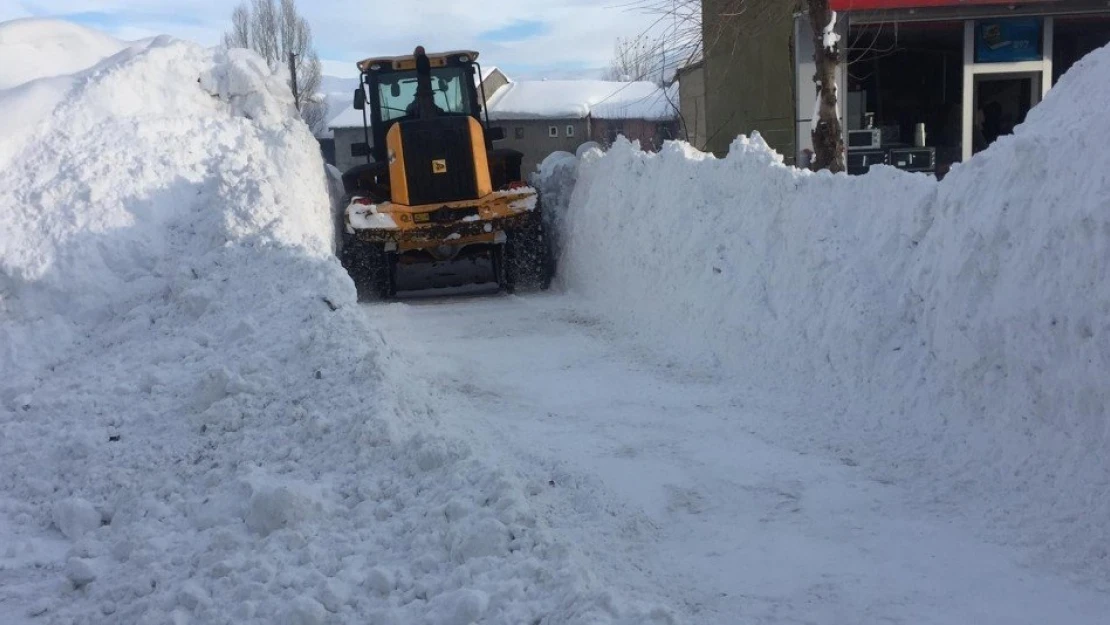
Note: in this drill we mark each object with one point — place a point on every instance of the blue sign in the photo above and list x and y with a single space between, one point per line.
1008 40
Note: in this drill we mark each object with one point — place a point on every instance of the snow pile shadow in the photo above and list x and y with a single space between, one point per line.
199 423
955 334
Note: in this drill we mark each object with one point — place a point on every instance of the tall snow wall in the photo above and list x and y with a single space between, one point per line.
956 335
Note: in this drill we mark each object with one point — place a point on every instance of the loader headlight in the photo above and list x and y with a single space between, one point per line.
464 58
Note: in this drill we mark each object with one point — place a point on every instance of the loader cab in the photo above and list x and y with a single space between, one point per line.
424 115
389 85
426 142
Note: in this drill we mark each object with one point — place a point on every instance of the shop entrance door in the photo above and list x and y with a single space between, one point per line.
1001 103
1007 71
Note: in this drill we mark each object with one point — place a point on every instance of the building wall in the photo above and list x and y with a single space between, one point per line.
534 141
749 75
650 134
344 138
327 149
691 96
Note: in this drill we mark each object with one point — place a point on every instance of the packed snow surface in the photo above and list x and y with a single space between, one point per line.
198 423
350 117
576 99
666 477
951 337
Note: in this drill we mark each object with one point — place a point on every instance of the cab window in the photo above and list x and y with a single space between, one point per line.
397 92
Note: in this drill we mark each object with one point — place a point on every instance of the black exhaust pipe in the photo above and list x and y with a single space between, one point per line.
425 96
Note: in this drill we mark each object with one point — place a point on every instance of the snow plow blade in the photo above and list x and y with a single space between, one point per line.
497 241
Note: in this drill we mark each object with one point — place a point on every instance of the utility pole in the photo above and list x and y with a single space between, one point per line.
293 79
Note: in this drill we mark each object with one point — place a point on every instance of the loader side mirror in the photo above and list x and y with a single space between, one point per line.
360 149
496 133
360 99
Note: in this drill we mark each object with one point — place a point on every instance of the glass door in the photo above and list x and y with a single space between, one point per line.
1001 103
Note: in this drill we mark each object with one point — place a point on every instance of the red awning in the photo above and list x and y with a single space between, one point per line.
868 5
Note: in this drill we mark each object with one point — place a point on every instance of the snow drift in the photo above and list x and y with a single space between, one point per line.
32 49
955 334
199 424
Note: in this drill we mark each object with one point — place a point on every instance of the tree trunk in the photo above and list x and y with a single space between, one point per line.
828 141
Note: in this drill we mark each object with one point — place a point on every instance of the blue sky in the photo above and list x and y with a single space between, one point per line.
529 38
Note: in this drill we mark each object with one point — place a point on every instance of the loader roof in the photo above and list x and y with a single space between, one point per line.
408 61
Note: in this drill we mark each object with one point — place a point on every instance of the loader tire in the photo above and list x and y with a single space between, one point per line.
370 267
529 257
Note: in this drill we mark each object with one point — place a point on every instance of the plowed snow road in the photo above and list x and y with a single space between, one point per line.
664 479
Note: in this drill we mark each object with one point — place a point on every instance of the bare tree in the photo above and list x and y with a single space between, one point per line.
275 30
637 58
828 141
720 25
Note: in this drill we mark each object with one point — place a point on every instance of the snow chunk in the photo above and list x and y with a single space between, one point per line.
80 572
380 580
459 607
275 507
244 80
75 517
333 595
305 611
367 217
192 596
487 537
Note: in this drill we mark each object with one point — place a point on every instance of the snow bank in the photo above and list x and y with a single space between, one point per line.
199 423
32 49
39 62
954 335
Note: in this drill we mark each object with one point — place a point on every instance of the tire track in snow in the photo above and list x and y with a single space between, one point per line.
660 478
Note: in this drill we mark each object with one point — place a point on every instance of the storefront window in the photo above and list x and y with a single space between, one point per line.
1076 37
905 81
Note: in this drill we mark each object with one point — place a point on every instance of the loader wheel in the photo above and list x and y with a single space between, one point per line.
370 267
529 259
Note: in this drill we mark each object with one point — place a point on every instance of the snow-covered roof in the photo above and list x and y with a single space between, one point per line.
349 118
576 99
655 105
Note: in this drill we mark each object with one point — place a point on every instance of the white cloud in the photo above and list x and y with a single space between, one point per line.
579 32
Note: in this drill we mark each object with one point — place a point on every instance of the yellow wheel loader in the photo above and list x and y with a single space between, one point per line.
433 193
